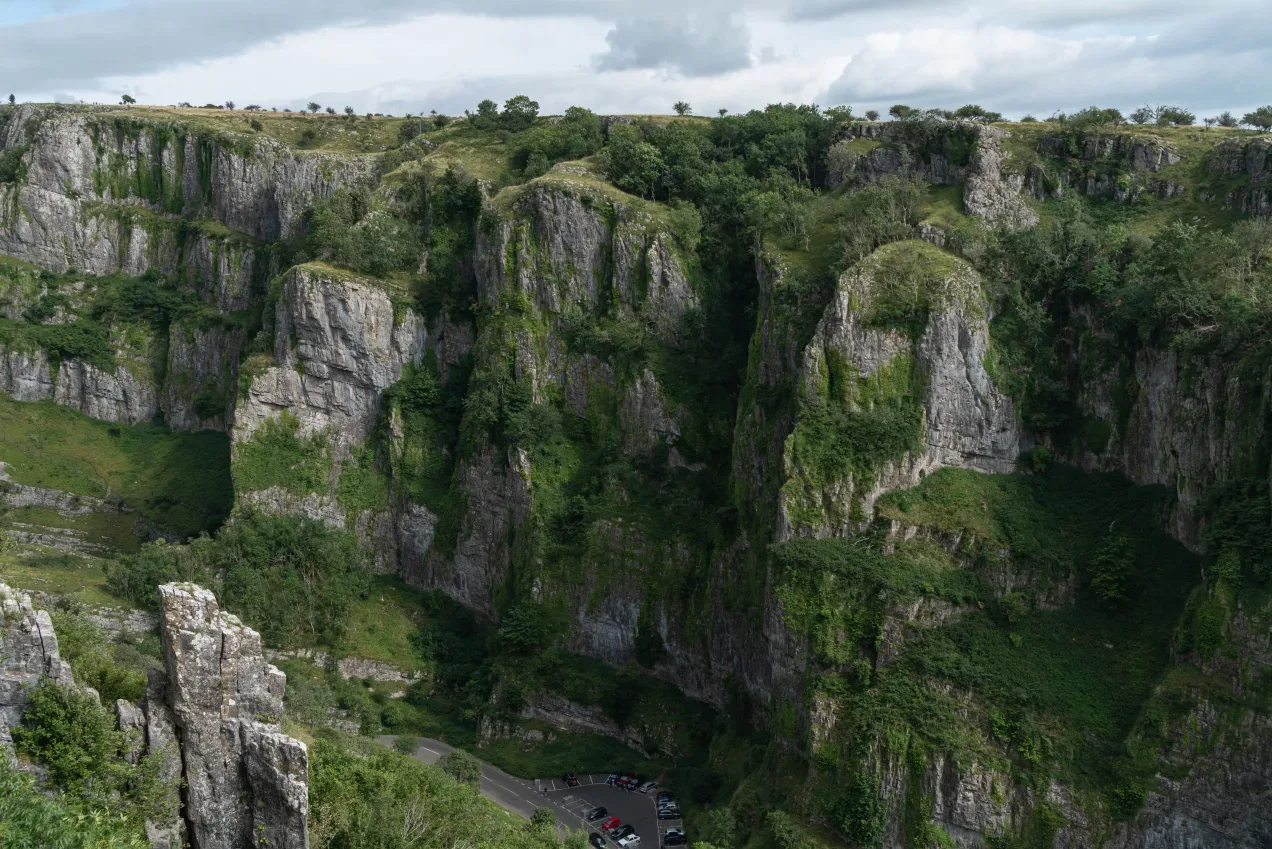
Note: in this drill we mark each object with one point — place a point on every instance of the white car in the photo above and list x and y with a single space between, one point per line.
647 786
630 841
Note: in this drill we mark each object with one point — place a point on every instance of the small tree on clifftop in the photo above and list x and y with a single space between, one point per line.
900 112
314 107
127 99
682 108
12 100
1260 119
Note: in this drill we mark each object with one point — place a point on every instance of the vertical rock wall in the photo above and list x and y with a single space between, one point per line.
246 782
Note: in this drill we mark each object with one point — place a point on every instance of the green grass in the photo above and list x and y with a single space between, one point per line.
379 626
481 153
943 207
76 577
331 133
177 482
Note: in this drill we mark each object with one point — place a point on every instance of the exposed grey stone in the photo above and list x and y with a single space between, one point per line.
118 396
28 655
338 346
246 783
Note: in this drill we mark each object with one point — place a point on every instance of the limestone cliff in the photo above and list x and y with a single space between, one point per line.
246 783
28 655
894 386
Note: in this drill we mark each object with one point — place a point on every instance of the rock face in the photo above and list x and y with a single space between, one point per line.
861 361
246 782
74 158
338 346
28 654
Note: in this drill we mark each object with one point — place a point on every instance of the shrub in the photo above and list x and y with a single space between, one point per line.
70 733
462 767
1175 116
1260 119
518 114
406 744
1111 567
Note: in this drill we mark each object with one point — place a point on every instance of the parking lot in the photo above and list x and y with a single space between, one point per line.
631 806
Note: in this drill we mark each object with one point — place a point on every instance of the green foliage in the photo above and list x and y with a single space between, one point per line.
369 797
576 135
1239 513
96 663
76 741
859 813
12 169
1112 565
1260 119
461 766
853 425
518 114
292 579
362 486
525 629
71 734
632 164
277 456
30 819
406 744
345 229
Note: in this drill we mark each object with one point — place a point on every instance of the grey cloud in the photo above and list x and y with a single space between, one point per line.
695 46
817 11
151 35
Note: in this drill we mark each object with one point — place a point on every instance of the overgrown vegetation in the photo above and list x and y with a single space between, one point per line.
292 579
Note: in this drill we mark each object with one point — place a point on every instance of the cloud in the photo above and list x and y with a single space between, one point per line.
695 45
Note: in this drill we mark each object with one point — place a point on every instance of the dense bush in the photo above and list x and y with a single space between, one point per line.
291 578
576 135
113 671
345 230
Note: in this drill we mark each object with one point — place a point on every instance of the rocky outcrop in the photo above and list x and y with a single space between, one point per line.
246 783
907 330
939 152
563 254
28 655
201 380
118 396
24 375
76 158
338 345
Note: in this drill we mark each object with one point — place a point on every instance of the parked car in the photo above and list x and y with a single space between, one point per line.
666 796
571 780
613 778
629 841
668 803
675 837
647 786
596 840
669 813
596 814
611 824
622 831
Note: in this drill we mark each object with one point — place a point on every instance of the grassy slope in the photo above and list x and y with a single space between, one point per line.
1081 673
178 482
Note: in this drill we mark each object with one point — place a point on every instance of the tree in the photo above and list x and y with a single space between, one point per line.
1175 116
229 104
314 107
1260 119
331 110
631 163
872 114
252 107
973 112
682 108
487 115
349 111
1209 122
723 112
543 818
462 767
1144 115
900 111
518 113
406 744
1111 568
12 100
1227 119
1028 119
127 99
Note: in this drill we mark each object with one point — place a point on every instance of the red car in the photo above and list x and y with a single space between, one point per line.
611 824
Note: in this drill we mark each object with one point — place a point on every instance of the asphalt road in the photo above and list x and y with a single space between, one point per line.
570 804
511 794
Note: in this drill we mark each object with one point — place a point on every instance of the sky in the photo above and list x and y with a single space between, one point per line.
641 56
